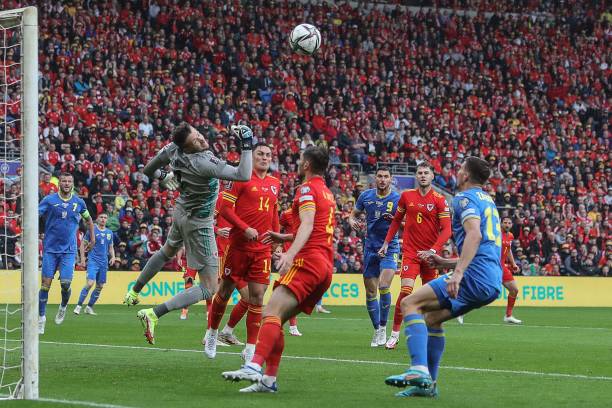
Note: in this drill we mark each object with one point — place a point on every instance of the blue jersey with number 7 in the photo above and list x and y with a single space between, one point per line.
475 203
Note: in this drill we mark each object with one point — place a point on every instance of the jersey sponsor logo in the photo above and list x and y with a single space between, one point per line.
305 198
304 190
430 207
214 160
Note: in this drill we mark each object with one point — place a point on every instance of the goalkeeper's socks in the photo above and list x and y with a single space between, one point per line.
416 339
385 305
374 312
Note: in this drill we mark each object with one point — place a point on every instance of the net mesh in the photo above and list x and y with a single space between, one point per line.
11 333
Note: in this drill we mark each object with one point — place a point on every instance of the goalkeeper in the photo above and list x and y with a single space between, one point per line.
195 172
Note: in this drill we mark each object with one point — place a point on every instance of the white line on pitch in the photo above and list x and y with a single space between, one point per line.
84 403
340 360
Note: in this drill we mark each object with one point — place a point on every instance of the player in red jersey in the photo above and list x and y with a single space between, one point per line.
508 266
286 224
252 209
427 228
306 268
222 231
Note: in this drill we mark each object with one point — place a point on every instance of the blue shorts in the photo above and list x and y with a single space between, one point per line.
97 271
52 261
374 264
472 294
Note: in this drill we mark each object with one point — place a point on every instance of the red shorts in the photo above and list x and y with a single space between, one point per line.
413 267
507 274
238 264
192 273
308 279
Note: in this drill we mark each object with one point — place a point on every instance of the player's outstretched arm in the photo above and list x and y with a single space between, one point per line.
245 167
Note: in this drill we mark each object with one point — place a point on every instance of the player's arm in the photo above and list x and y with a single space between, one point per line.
111 251
210 166
510 258
90 224
227 210
394 227
445 231
358 210
43 207
285 260
473 236
82 251
155 168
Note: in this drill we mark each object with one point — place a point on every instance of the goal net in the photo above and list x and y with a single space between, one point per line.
18 203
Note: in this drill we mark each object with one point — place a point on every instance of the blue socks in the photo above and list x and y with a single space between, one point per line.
416 339
435 348
385 305
83 295
374 312
43 297
94 297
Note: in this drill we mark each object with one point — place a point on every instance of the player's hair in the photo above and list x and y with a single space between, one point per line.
261 144
506 216
102 213
318 158
65 174
383 168
425 165
180 134
478 169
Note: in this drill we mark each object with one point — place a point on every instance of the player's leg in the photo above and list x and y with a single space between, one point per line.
151 268
388 266
512 288
371 287
89 282
293 327
66 272
258 277
188 277
100 281
227 335
409 272
50 263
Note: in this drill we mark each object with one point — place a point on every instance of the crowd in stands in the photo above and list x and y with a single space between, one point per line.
530 95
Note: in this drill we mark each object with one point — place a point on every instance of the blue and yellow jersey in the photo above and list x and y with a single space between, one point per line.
62 218
379 214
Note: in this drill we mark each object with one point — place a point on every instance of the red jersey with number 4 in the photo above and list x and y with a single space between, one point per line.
507 239
286 222
427 221
255 205
314 195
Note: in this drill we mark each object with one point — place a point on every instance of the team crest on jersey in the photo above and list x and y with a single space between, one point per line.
430 207
464 202
304 190
227 271
274 191
405 267
108 236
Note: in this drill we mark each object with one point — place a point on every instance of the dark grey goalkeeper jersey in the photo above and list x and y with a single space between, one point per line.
198 175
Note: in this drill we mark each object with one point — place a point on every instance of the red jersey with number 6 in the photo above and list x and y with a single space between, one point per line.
314 195
255 205
427 221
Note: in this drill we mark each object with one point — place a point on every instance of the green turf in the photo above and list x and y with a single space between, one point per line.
176 373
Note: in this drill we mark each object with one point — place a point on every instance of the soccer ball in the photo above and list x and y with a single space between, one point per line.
305 39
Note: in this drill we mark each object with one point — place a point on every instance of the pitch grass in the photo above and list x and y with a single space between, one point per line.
175 373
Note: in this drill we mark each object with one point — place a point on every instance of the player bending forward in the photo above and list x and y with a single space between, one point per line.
379 205
427 228
307 268
473 283
196 173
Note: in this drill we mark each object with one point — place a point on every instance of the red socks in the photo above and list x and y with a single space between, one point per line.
217 310
274 358
510 306
397 315
293 321
253 323
237 313
269 334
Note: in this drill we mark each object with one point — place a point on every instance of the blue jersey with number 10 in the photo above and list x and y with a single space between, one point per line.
379 214
475 203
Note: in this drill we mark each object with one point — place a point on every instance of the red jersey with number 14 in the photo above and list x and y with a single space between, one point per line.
507 239
255 203
314 195
427 221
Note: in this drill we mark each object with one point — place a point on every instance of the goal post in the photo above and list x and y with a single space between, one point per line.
29 58
19 164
